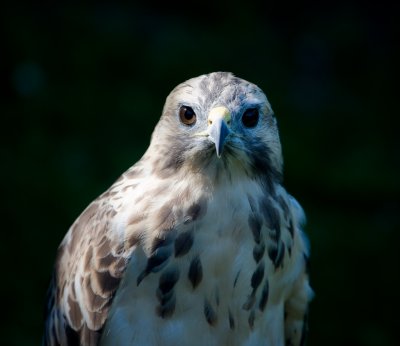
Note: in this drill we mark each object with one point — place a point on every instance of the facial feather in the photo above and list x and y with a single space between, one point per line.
257 150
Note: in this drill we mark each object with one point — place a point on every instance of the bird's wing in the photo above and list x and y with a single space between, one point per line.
90 263
296 304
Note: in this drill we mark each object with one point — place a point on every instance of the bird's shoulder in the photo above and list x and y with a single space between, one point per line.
90 264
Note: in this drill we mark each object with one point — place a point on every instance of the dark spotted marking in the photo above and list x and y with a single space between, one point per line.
195 211
284 207
236 278
183 243
291 228
195 271
210 313
280 254
276 253
163 298
251 319
106 281
160 242
256 279
258 252
132 241
231 320
255 226
257 276
119 250
167 309
168 280
262 165
271 215
264 296
165 293
274 235
272 252
156 262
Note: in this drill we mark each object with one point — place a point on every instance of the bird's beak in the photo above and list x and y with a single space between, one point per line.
219 120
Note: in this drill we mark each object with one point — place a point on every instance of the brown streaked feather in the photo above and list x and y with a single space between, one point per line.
91 260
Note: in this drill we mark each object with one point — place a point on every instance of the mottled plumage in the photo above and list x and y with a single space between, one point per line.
198 243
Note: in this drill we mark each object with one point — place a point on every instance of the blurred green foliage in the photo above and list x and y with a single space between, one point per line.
83 86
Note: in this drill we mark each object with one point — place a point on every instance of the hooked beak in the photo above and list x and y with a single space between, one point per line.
219 119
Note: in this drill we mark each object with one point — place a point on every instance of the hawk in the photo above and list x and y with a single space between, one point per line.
198 243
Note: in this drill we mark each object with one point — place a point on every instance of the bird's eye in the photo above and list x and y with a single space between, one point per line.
187 115
250 117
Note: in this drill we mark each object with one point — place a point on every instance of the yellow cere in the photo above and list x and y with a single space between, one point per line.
219 112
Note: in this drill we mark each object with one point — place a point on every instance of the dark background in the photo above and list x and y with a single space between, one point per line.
83 86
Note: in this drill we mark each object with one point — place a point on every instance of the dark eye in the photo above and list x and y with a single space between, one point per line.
187 115
250 117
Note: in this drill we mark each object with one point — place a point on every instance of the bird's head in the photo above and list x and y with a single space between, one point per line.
219 121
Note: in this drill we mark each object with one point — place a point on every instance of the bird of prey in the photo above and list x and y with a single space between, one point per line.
198 243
